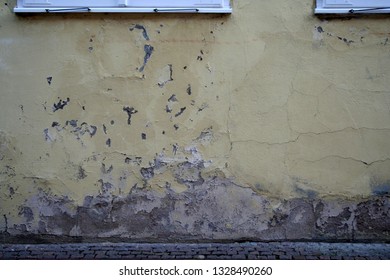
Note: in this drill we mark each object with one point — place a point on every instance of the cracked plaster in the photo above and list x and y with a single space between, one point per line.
278 128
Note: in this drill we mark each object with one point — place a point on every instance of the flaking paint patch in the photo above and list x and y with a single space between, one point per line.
60 104
141 28
148 49
285 126
166 75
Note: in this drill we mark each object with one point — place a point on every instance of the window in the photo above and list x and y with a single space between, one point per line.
123 6
352 6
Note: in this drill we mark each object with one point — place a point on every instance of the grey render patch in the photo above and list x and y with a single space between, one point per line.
142 28
169 78
48 136
72 123
148 53
213 209
147 173
27 213
381 189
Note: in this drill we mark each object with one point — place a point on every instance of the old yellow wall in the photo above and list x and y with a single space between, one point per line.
270 123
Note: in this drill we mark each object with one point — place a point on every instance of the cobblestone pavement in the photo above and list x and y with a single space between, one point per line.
215 251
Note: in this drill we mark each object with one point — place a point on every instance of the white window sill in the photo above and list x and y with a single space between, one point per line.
352 11
123 10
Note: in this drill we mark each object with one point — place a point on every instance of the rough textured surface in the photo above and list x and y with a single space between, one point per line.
268 124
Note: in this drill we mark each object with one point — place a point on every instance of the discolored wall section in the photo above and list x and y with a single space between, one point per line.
268 124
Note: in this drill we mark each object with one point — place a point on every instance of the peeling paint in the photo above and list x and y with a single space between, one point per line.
60 104
142 28
148 53
130 111
210 128
166 75
180 112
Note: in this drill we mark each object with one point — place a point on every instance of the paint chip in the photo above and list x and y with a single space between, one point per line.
60 104
142 28
130 111
148 53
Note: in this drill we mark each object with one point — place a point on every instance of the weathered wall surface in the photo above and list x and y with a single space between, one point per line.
266 124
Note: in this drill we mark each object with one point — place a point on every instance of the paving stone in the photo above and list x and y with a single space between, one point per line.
299 258
203 252
278 253
89 256
74 257
128 257
219 252
170 257
100 254
272 250
360 258
185 257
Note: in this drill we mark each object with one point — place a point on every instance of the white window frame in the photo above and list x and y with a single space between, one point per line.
352 6
123 6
